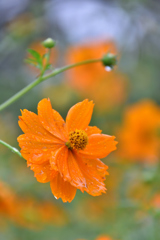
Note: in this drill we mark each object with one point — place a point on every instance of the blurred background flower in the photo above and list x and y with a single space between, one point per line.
107 88
7 202
139 137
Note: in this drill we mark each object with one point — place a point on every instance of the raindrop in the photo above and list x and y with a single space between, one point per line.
108 69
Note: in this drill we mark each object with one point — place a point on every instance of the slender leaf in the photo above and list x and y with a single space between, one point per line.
34 53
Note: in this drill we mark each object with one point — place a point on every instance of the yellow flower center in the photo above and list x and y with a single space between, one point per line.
78 140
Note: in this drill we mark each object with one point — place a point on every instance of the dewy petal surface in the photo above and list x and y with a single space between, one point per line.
79 116
29 123
94 175
99 146
44 173
76 175
62 189
61 159
51 120
62 153
38 149
32 141
68 167
92 130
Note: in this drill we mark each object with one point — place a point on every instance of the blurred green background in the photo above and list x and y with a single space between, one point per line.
130 210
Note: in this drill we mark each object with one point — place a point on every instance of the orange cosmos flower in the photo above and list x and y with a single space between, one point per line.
103 237
35 215
155 202
107 89
139 137
7 201
83 77
65 154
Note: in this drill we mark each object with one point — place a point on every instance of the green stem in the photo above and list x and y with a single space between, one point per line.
48 56
59 70
15 150
41 79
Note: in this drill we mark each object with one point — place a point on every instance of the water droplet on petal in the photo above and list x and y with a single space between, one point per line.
108 69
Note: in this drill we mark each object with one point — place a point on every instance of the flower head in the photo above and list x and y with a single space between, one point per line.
84 76
7 201
155 202
103 237
139 136
107 89
65 154
35 214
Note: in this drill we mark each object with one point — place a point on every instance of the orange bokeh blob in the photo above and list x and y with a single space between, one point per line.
7 201
107 89
139 135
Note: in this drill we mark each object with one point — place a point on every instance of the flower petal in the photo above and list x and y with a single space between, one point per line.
38 149
62 189
29 123
33 141
99 146
68 167
92 130
79 115
37 156
44 173
94 172
59 153
51 120
97 165
76 176
61 160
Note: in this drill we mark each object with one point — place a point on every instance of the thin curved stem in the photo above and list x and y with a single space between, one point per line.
15 150
59 70
41 79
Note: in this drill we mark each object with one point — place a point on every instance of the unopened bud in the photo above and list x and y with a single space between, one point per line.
109 60
49 43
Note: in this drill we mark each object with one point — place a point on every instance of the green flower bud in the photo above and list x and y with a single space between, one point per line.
109 60
49 43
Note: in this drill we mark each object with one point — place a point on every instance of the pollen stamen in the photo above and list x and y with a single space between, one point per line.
78 140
